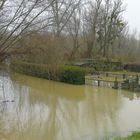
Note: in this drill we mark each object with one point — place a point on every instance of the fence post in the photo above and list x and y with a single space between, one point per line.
116 86
137 79
124 76
106 74
98 82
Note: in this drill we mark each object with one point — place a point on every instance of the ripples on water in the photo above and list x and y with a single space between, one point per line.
37 109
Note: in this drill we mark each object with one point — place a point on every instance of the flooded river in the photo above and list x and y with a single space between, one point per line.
38 109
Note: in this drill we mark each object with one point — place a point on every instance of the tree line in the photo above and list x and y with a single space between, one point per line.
56 31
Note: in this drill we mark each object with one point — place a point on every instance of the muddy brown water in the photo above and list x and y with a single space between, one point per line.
38 109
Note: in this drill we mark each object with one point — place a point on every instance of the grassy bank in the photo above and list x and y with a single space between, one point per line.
100 65
63 73
134 136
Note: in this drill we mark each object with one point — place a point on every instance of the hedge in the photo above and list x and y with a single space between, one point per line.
132 67
62 73
72 74
106 66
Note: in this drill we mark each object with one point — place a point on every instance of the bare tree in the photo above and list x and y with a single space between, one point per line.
23 16
110 26
99 23
103 25
62 11
74 29
91 18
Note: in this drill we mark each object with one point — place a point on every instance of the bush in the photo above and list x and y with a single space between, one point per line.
30 69
72 75
65 73
132 67
105 66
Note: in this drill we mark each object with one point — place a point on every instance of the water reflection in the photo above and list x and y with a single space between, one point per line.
56 111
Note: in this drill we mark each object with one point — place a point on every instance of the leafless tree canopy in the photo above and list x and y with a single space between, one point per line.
20 17
83 28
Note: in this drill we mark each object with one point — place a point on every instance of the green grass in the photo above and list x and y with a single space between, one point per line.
125 72
134 136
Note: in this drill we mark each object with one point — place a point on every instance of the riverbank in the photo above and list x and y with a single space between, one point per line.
70 73
134 136
77 74
63 73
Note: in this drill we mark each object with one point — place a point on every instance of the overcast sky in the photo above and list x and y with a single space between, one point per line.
132 14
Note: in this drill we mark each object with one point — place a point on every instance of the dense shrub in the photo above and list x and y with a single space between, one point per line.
99 65
65 73
30 69
72 75
132 67
105 66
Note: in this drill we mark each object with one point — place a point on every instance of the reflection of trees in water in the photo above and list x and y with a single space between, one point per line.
61 122
53 111
131 95
94 115
137 95
102 106
5 97
29 119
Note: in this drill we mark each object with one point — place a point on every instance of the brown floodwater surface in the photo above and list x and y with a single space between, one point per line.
38 109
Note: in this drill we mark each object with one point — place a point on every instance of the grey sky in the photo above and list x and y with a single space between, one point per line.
132 14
